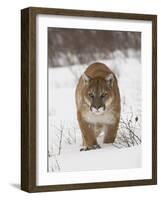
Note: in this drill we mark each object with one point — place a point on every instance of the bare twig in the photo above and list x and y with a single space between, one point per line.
127 131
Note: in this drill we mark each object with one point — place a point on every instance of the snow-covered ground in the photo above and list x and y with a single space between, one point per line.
108 157
64 133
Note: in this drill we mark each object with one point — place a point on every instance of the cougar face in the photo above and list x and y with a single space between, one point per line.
98 93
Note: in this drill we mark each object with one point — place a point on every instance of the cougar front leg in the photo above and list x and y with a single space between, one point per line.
110 133
88 135
89 138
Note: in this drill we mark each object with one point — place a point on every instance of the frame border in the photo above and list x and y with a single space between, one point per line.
28 99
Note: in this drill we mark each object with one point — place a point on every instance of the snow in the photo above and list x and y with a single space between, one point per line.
106 158
64 134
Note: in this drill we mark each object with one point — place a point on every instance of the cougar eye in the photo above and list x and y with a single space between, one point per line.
103 95
91 95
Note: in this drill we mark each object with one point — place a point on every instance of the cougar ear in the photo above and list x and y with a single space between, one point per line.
86 78
110 80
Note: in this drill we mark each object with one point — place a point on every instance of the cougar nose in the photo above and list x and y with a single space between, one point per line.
97 107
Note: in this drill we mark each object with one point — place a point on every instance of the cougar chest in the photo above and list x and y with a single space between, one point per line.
105 118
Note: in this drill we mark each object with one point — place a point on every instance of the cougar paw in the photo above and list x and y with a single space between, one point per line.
87 148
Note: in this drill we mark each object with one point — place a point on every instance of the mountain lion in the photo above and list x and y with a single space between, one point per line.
98 105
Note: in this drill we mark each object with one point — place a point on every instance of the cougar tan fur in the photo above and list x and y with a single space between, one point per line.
98 105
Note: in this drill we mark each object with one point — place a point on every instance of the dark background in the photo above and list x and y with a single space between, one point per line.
79 46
